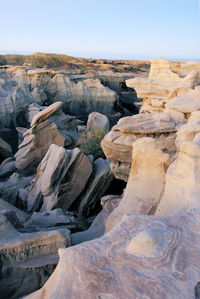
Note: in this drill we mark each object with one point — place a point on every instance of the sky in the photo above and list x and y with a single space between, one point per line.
112 29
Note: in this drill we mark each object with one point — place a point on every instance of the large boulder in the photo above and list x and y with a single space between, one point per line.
61 177
98 121
47 127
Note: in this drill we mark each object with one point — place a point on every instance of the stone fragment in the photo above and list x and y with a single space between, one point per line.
98 121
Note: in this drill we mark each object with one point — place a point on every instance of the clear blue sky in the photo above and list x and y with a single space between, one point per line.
129 29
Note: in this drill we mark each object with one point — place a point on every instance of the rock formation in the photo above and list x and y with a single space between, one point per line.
21 86
27 260
47 127
130 260
182 180
5 150
98 121
161 86
117 144
146 181
61 177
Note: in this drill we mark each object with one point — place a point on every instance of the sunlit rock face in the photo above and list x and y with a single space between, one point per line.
146 181
117 144
182 180
129 261
161 85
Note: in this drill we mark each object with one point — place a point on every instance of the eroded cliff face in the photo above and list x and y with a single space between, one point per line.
21 86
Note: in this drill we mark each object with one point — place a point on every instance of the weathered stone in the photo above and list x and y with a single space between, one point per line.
161 85
98 121
130 260
98 226
5 150
182 180
10 189
61 177
98 183
27 259
117 144
50 219
7 167
146 181
186 102
47 127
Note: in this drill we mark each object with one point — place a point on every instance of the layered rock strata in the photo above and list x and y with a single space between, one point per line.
117 144
27 259
161 86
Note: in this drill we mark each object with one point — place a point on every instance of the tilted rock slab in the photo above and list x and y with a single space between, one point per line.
117 144
61 177
47 127
146 181
161 85
142 257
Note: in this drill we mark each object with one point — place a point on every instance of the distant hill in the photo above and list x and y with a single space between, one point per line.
37 59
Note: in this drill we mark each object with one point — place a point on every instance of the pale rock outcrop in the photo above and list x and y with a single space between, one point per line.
61 177
5 150
47 127
117 144
182 180
146 181
130 260
186 102
189 130
98 121
161 85
27 259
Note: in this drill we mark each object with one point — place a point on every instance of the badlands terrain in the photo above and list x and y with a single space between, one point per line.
99 178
